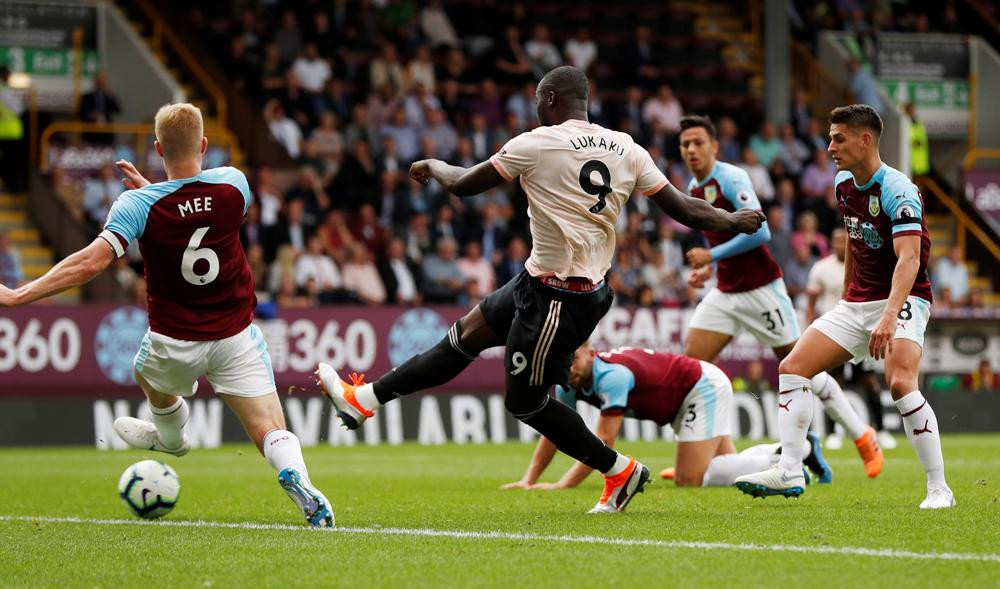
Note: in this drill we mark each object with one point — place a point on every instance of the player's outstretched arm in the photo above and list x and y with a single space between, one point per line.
457 180
695 212
907 265
540 460
77 269
608 427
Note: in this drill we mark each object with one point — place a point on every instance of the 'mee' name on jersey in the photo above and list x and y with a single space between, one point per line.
199 204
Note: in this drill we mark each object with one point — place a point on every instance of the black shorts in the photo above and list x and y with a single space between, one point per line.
543 326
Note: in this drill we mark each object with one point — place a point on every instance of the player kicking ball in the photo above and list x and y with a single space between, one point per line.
577 177
200 299
694 396
884 312
750 294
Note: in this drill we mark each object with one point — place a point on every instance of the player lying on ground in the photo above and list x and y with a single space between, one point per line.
577 177
750 294
694 396
884 312
200 300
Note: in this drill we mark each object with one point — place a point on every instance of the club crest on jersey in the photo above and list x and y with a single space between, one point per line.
711 193
873 207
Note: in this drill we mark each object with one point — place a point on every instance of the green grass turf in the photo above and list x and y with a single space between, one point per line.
457 488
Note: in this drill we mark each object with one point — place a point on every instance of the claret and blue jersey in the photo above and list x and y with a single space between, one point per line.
199 285
744 262
884 208
637 382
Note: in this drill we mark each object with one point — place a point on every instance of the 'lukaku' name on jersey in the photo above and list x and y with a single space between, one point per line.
589 141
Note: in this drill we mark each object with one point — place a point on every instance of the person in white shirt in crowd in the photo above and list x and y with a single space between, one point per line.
951 275
361 276
421 69
580 49
542 51
100 193
312 70
760 178
313 264
475 268
664 108
284 130
436 25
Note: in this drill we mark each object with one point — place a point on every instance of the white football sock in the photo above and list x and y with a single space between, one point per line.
921 428
365 395
621 463
794 415
282 450
170 422
762 449
836 404
723 470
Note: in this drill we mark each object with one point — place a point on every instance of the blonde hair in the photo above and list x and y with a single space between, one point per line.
179 129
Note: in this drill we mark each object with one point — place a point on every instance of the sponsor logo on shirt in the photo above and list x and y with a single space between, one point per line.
871 236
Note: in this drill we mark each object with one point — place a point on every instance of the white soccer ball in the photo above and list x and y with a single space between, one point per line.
149 489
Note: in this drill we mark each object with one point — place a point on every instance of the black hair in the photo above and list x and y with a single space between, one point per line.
695 121
858 115
566 81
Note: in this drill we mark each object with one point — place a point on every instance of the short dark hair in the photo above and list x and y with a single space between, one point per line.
694 121
858 115
566 81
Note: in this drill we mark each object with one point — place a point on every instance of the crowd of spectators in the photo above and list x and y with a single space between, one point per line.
356 91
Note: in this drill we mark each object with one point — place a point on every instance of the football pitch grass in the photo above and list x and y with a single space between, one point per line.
419 516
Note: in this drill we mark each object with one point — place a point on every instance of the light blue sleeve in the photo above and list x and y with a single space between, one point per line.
738 190
901 202
128 215
567 397
229 175
613 385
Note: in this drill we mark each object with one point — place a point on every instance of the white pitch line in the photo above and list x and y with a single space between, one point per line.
513 536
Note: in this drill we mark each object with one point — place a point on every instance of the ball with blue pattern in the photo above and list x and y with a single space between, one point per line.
149 489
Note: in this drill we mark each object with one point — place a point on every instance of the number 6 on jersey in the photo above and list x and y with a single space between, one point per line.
191 256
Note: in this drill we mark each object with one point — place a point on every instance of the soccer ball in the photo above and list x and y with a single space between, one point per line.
149 489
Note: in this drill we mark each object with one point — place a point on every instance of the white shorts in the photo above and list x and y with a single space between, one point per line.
851 324
238 365
766 312
707 411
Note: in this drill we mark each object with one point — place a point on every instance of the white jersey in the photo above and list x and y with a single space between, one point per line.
826 279
577 176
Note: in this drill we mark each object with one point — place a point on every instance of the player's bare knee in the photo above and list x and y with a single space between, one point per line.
899 387
790 365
